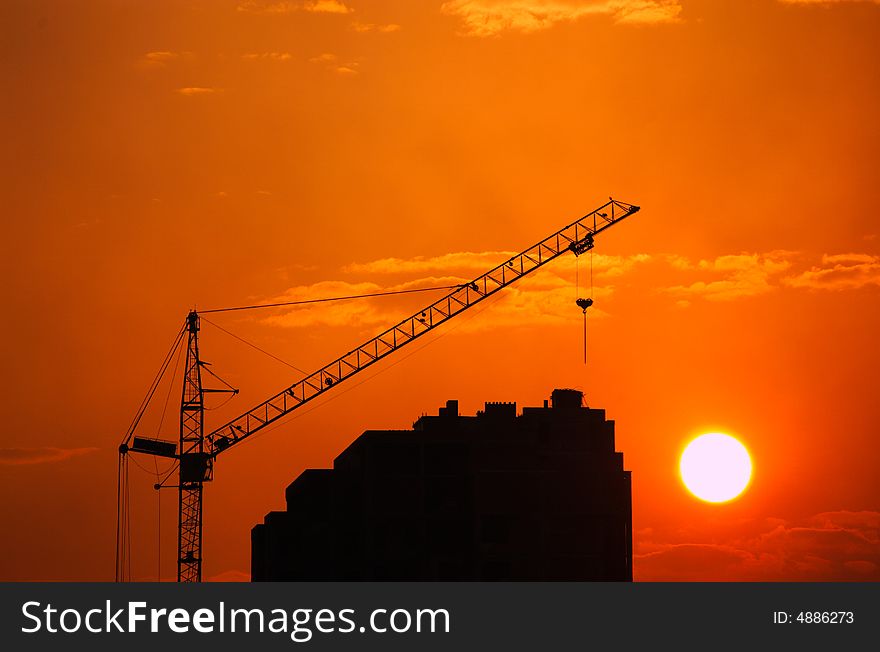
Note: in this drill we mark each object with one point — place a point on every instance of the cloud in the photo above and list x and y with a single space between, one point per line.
281 7
546 301
373 27
471 263
679 262
738 276
544 298
332 63
40 455
492 17
864 521
190 91
731 276
327 7
160 59
842 545
365 312
272 56
263 7
839 272
827 3
547 296
458 261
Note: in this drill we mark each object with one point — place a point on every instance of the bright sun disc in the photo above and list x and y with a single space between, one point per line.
715 467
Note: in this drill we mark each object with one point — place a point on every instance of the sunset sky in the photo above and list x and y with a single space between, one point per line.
159 156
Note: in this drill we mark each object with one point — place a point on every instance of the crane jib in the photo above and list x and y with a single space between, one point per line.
576 237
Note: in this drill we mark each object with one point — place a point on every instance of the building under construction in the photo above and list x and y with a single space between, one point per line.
540 495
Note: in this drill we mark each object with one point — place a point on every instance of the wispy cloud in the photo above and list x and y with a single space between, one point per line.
159 59
744 275
332 63
283 7
840 545
191 91
346 313
458 261
474 262
270 56
492 17
827 2
839 272
374 27
39 455
546 298
733 276
267 7
327 7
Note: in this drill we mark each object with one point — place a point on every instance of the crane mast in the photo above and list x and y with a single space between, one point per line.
195 466
197 451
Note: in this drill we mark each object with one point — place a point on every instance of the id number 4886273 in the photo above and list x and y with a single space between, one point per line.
814 617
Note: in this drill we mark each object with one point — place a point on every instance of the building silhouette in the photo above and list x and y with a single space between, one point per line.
498 496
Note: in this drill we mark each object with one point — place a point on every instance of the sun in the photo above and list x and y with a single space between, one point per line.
715 467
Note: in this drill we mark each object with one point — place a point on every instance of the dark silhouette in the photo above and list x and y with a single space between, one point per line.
496 496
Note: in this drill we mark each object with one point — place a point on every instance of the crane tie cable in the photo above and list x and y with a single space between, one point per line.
345 298
254 346
307 301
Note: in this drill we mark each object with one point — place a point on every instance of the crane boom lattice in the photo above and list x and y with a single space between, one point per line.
576 237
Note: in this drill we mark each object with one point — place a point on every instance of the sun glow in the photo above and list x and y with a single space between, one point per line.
715 467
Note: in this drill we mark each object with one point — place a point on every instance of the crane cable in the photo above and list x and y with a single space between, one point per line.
154 385
254 346
123 500
123 522
300 302
158 484
308 301
583 303
585 312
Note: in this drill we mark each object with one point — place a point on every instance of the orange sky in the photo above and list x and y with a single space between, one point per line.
168 154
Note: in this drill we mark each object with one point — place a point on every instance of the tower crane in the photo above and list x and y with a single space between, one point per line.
196 449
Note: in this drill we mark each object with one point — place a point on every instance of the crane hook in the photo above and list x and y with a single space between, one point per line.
584 304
